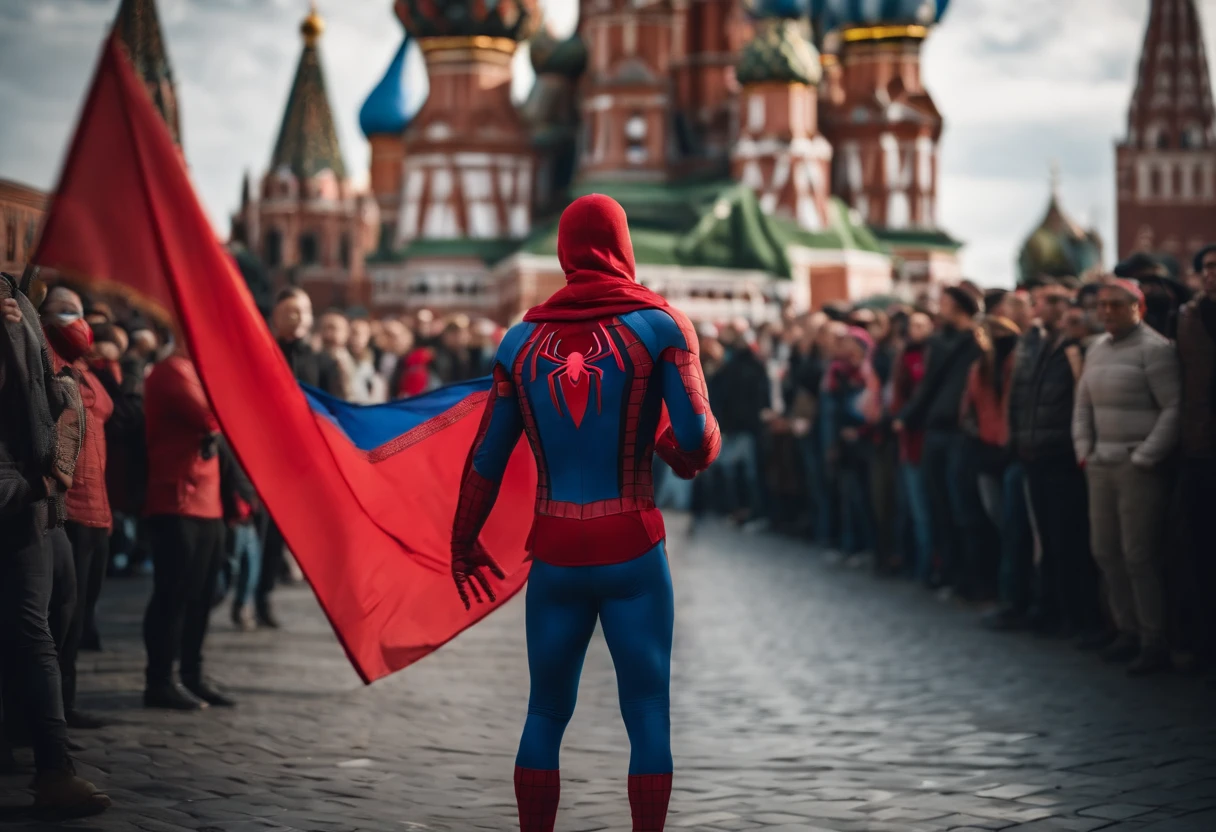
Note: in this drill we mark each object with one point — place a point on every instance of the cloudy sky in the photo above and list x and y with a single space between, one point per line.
1020 82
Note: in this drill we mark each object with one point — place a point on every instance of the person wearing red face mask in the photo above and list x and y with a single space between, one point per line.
88 508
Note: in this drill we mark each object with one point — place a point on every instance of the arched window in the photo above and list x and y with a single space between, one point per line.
344 250
308 249
272 249
1154 182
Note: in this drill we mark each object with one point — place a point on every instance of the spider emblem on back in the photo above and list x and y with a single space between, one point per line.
576 372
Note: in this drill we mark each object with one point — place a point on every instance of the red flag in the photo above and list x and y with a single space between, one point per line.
370 530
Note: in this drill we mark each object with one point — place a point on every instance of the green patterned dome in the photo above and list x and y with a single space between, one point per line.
780 52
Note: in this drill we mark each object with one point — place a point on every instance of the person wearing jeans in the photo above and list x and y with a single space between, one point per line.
244 537
1125 427
906 378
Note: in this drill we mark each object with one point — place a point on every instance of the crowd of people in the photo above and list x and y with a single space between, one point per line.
1049 452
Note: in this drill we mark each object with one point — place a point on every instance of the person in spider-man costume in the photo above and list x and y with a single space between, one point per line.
599 378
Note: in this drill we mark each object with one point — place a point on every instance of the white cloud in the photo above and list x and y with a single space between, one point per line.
1019 83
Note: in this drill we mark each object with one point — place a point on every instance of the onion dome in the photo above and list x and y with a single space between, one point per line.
1059 247
511 19
780 52
567 58
778 8
854 13
386 110
540 47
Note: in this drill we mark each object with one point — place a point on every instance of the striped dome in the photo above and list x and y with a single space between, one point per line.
778 8
849 13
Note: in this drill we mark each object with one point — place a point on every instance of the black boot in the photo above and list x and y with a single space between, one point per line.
266 617
83 720
173 697
204 691
1123 649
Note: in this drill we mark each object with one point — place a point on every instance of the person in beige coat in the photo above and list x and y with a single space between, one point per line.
1125 426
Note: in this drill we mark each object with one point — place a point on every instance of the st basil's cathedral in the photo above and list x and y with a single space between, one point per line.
770 154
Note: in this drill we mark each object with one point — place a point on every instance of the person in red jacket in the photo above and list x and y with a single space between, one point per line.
186 528
88 508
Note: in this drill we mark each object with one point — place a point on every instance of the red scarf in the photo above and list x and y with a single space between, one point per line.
595 251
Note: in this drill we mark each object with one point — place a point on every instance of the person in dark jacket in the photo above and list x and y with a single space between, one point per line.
185 522
741 395
1197 355
291 323
934 408
1047 366
30 405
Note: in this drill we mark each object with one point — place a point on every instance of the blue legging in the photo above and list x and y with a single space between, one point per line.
633 602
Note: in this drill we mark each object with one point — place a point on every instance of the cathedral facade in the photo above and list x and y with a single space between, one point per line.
762 167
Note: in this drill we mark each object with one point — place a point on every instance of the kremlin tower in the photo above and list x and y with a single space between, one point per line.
309 226
1166 164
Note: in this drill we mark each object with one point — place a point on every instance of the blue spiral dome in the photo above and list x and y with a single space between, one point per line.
846 13
778 8
386 110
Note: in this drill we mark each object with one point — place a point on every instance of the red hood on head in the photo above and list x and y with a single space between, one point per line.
595 252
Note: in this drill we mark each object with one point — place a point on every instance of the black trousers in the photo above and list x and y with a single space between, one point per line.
90 550
186 554
273 564
63 590
1198 490
1068 577
26 643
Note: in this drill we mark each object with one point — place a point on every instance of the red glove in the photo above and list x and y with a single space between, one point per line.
467 572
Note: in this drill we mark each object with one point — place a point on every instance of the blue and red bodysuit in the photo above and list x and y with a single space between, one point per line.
586 377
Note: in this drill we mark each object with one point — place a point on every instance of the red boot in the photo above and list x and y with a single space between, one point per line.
649 795
536 794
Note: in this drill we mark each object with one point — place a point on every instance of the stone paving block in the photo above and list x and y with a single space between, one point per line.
804 696
1115 811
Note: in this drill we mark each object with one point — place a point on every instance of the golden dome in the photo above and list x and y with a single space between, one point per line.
313 26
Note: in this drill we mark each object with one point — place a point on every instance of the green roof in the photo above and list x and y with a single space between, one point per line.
714 224
917 238
488 251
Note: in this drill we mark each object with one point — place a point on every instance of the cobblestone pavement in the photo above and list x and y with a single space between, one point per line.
806 697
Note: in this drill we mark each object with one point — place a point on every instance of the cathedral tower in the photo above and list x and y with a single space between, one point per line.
309 226
468 157
384 117
138 28
885 129
627 89
1166 164
780 153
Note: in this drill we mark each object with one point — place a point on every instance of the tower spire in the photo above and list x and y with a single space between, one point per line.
138 27
1164 165
308 138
